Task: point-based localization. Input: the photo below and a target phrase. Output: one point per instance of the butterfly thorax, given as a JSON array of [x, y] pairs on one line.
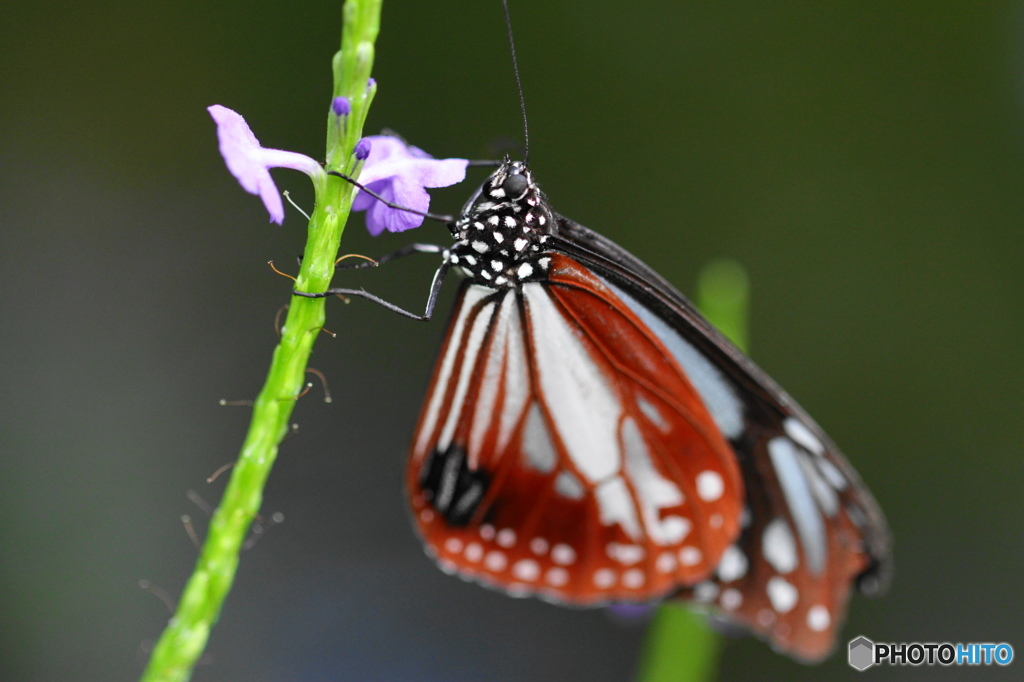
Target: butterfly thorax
[[501, 232]]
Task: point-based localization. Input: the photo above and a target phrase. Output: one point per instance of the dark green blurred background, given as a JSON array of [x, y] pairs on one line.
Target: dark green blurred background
[[865, 163]]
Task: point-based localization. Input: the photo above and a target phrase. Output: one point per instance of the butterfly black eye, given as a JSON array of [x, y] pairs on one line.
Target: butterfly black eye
[[515, 185]]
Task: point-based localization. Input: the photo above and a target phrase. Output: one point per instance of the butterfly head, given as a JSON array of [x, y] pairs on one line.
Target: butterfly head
[[501, 232]]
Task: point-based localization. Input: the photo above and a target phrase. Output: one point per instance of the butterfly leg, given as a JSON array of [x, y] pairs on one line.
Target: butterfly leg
[[390, 204], [407, 250], [435, 289]]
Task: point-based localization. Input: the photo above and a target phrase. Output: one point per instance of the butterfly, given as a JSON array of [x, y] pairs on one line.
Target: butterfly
[[589, 438]]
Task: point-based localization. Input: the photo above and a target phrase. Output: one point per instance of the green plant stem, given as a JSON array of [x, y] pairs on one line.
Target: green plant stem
[[680, 646], [185, 636]]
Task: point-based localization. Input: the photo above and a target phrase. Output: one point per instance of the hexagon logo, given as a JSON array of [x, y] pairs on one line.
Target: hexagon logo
[[862, 653]]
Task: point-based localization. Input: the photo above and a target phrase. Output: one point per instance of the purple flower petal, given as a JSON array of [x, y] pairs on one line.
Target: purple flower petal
[[398, 173], [250, 163], [380, 216]]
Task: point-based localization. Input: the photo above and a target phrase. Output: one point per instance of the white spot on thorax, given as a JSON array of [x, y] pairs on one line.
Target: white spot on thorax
[[498, 237], [510, 222], [525, 270], [479, 247], [520, 244], [494, 220]]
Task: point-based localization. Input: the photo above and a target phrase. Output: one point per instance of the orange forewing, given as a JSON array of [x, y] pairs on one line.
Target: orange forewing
[[510, 497]]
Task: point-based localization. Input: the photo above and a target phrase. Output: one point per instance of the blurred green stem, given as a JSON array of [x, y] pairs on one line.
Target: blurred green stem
[[680, 646], [184, 639]]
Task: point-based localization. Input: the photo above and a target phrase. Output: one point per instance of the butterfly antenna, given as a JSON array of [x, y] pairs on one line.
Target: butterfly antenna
[[519, 83]]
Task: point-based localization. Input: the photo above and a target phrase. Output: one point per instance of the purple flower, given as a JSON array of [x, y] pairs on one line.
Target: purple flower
[[341, 106], [632, 612], [250, 163], [390, 168], [362, 149], [399, 173]]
